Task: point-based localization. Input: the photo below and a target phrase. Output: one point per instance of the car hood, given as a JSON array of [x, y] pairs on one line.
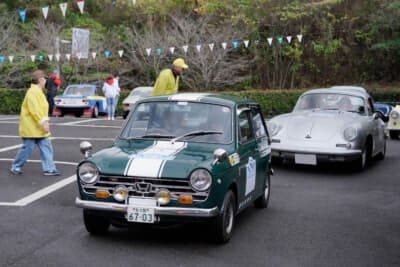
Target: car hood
[[317, 125], [154, 159], [132, 99]]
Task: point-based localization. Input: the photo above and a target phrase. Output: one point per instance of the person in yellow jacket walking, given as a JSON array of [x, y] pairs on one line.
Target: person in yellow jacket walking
[[168, 80], [34, 127]]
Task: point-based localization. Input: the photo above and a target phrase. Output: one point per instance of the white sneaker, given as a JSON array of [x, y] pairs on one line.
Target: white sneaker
[[112, 118]]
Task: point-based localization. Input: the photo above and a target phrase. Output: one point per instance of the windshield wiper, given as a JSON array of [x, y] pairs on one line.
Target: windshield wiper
[[157, 136], [196, 133]]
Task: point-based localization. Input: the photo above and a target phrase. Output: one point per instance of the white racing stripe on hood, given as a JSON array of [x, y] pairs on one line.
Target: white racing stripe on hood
[[150, 161]]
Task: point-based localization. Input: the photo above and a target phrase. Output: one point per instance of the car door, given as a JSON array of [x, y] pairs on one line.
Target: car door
[[248, 165], [378, 133]]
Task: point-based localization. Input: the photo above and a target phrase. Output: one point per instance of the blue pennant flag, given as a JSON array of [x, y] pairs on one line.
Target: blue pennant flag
[[22, 14], [2, 59], [107, 53], [235, 44]]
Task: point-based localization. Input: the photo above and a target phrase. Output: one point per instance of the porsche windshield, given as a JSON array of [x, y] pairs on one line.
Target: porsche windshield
[[168, 120], [330, 101]]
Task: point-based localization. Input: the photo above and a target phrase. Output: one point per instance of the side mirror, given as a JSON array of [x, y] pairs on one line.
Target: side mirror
[[361, 109], [220, 155], [85, 148]]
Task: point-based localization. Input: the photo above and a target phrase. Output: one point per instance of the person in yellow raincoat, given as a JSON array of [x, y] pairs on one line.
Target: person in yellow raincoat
[[34, 127], [168, 80]]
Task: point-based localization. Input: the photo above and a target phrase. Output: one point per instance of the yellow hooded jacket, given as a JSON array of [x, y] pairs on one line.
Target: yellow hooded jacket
[[34, 112], [165, 84]]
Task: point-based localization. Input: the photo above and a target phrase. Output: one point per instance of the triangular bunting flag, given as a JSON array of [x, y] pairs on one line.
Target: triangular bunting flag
[[107, 53], [299, 37], [224, 45], [235, 44], [2, 59], [289, 39], [81, 5], [33, 58], [172, 49], [158, 51], [134, 2], [93, 55], [211, 46], [63, 7], [40, 56], [270, 40], [68, 56], [58, 56], [185, 48], [22, 14], [148, 51], [246, 43], [120, 53], [198, 47], [45, 11], [280, 39], [256, 42], [11, 58], [50, 57]]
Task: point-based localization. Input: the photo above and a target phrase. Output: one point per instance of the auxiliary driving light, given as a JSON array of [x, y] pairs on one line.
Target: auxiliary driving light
[[163, 197], [120, 193]]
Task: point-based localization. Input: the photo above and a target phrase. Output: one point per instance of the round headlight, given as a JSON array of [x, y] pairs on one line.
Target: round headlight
[[88, 173], [273, 128], [394, 114], [163, 196], [120, 193], [201, 180], [350, 133]]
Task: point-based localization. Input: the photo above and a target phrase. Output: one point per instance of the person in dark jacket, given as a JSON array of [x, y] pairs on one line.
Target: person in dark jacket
[[52, 86]]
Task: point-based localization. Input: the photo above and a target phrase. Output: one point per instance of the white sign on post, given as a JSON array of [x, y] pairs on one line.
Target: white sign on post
[[80, 42]]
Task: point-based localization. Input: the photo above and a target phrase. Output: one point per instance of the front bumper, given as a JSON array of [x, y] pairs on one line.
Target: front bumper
[[160, 211]]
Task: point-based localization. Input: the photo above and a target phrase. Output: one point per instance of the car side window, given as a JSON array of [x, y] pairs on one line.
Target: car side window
[[259, 127], [370, 107], [245, 129]]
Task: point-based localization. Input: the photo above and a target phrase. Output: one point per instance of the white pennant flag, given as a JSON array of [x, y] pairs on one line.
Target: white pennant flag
[[134, 2], [45, 11], [68, 56], [33, 58], [270, 40], [50, 57], [300, 37], [172, 49], [63, 7], [198, 47], [120, 52], [58, 57], [246, 43], [81, 5], [11, 58], [211, 46], [93, 55], [185, 48], [224, 45], [148, 51], [289, 39]]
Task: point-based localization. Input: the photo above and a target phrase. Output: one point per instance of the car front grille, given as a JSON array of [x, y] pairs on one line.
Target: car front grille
[[145, 187]]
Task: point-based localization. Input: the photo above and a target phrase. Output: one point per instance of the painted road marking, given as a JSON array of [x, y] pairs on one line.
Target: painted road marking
[[39, 161], [10, 148], [63, 124], [64, 138], [78, 122]]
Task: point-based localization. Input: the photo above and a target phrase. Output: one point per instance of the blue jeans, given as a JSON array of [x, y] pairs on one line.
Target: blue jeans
[[111, 106], [46, 153]]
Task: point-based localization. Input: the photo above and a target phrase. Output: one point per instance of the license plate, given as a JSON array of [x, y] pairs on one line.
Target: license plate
[[307, 159], [141, 210]]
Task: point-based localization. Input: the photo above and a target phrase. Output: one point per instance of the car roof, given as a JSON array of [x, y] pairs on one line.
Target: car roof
[[82, 85], [340, 90], [221, 99]]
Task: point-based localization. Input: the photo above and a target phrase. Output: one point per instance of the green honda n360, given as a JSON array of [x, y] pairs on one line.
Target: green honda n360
[[179, 158]]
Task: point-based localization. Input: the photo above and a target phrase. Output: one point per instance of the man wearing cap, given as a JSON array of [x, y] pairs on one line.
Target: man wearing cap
[[52, 86], [34, 127], [168, 80]]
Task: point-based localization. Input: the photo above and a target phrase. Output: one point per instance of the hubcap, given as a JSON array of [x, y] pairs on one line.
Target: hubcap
[[229, 218]]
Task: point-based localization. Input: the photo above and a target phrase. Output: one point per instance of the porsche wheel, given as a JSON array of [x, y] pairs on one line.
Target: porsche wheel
[[96, 225], [382, 154], [363, 159], [225, 221]]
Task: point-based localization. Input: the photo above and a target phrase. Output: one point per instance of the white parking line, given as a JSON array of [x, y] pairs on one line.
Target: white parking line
[[39, 161], [41, 193], [64, 138], [10, 148], [77, 122]]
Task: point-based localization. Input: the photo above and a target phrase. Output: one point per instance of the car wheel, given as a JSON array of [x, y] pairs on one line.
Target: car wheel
[[95, 225], [262, 201], [382, 154], [125, 114], [362, 161], [394, 135], [225, 221], [62, 113], [95, 111], [78, 114]]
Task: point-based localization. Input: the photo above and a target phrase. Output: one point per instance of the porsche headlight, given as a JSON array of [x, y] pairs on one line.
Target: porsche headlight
[[394, 114], [88, 173], [200, 180], [350, 133], [273, 128]]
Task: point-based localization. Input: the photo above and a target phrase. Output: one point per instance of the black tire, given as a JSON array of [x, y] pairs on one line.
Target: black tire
[[381, 155], [225, 221], [96, 225], [95, 113], [262, 201], [277, 161], [124, 115], [362, 162], [62, 113], [394, 135], [78, 114]]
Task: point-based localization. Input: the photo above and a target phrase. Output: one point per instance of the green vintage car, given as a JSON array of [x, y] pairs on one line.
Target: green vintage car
[[179, 158]]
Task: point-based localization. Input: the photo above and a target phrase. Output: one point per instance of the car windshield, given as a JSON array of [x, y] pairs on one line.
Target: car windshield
[[79, 90], [330, 101], [201, 122], [141, 92]]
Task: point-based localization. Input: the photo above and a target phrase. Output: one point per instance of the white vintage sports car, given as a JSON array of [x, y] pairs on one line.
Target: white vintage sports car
[[394, 123], [331, 125]]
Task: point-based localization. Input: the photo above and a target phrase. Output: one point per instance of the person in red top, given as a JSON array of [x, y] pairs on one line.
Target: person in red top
[[52, 86]]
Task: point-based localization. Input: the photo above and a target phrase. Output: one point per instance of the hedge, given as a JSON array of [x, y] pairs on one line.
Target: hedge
[[272, 102]]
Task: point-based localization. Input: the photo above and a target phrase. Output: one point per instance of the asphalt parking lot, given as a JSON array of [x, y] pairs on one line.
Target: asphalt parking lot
[[318, 216]]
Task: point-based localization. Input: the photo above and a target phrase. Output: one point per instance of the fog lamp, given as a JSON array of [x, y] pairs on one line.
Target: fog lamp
[[120, 193], [163, 197]]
